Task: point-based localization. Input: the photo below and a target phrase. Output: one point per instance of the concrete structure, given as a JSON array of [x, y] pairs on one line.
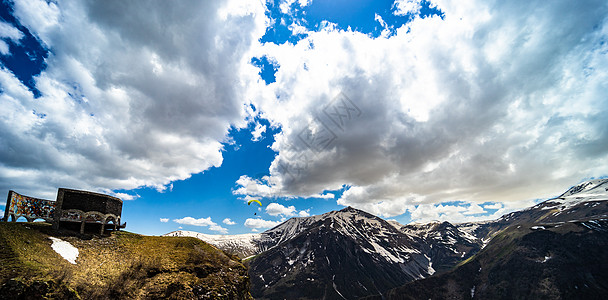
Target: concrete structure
[[71, 207]]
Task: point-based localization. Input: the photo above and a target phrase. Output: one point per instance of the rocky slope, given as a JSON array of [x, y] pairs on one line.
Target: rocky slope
[[447, 244], [121, 266], [553, 250], [341, 254], [526, 262]]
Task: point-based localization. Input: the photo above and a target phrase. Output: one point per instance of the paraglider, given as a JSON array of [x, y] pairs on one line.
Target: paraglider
[[254, 200]]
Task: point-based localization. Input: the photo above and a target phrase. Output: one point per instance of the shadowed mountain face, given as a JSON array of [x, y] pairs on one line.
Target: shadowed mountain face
[[560, 262], [343, 254]]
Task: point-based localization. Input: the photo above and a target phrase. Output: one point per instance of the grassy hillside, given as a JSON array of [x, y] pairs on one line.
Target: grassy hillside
[[121, 266]]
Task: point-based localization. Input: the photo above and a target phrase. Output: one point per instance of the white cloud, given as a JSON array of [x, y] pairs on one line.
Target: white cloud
[[227, 221], [256, 134], [275, 209], [459, 212], [494, 102], [138, 105], [124, 196], [493, 206], [406, 7], [4, 49], [164, 220], [260, 223], [201, 222], [497, 101], [474, 209], [10, 32]]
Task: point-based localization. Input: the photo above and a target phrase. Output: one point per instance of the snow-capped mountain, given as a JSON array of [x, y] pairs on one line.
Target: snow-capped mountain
[[553, 250], [584, 201], [340, 254]]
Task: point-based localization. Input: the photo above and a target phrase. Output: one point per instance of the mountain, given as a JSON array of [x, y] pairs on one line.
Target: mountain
[[120, 266], [447, 243], [553, 250], [340, 254], [582, 201]]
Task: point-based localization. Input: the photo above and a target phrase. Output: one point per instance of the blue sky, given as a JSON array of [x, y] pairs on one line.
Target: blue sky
[[410, 110]]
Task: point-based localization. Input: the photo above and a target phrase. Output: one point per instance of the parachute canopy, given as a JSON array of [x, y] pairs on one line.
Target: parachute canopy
[[254, 200]]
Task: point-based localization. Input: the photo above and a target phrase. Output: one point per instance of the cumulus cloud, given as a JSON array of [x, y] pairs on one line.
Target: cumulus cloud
[[459, 212], [260, 223], [10, 32], [493, 102], [203, 222], [304, 213], [257, 132], [164, 220], [124, 196], [405, 7], [227, 221], [496, 102], [493, 206], [133, 94], [275, 209]]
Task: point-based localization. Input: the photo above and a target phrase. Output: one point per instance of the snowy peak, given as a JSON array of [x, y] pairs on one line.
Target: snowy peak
[[596, 189], [325, 253], [590, 193]]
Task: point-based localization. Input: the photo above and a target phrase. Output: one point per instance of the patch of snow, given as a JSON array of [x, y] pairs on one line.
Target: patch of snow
[[386, 254], [430, 269], [473, 292], [537, 227], [65, 249], [484, 242], [335, 287]]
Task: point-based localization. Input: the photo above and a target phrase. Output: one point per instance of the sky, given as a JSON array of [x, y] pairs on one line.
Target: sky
[[410, 110]]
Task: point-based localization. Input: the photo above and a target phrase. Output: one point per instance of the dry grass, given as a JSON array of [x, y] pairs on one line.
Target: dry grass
[[123, 265]]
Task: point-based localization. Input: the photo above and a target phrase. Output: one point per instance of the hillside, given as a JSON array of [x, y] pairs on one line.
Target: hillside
[[568, 261], [553, 250], [121, 266]]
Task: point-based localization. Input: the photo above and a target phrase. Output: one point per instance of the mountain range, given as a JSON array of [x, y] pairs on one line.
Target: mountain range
[[553, 250]]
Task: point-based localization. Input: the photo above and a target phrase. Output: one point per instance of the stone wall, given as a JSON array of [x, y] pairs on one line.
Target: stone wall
[[89, 201]]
